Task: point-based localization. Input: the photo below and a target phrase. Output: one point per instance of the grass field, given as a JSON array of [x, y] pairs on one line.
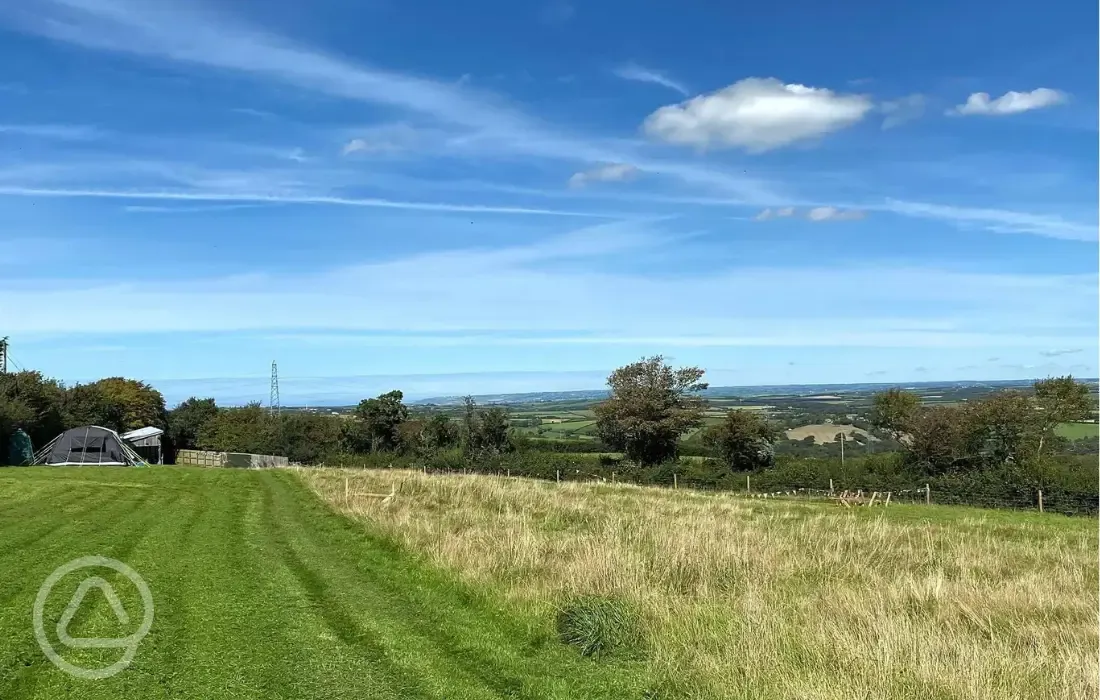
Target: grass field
[[1077, 431], [758, 599], [260, 591]]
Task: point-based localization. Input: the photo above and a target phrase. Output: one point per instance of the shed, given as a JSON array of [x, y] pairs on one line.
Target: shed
[[147, 443]]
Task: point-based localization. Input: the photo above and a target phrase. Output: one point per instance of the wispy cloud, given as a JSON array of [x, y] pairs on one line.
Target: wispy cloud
[[1059, 353], [612, 172], [63, 132], [834, 214], [1011, 102], [816, 214], [902, 110], [1000, 220], [566, 278], [289, 199], [632, 71]]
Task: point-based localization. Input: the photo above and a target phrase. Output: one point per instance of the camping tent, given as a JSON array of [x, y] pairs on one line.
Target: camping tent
[[89, 445]]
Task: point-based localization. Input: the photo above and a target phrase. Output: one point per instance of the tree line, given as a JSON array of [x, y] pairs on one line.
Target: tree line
[[1006, 437]]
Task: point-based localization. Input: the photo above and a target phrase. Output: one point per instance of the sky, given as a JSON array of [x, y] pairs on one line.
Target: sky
[[490, 196]]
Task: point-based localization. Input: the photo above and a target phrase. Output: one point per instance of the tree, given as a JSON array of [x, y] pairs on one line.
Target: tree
[[743, 440], [485, 432], [89, 404], [32, 402], [378, 422], [141, 405], [248, 429], [650, 407], [308, 438], [936, 439], [439, 433], [186, 421], [1002, 429], [1060, 400], [893, 409]]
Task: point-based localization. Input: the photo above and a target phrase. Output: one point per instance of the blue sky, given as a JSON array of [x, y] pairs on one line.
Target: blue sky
[[490, 196]]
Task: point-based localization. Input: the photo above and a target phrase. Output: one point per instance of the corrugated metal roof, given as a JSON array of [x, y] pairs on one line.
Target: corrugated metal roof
[[142, 433]]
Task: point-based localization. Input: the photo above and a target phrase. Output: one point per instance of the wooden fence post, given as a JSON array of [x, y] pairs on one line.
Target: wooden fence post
[[1040, 500], [559, 476], [748, 483], [508, 472], [676, 485], [613, 477], [927, 495], [830, 487], [346, 494]]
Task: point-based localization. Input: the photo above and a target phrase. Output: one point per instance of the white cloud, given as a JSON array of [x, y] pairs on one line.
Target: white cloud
[[813, 214], [632, 71], [354, 146], [1059, 353], [1011, 102], [777, 213], [901, 110], [834, 214], [757, 114], [612, 172]]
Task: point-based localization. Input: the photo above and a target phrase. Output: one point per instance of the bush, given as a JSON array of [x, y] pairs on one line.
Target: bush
[[600, 627]]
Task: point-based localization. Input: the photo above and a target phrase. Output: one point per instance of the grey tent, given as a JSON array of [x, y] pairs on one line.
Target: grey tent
[[89, 445]]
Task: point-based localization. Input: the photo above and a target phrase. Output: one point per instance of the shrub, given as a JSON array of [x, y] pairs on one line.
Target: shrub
[[599, 626]]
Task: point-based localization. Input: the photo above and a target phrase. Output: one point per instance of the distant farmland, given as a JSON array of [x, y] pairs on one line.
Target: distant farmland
[[1078, 431]]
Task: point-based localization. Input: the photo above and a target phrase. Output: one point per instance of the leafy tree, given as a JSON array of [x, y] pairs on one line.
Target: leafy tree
[[247, 429], [308, 438], [376, 424], [186, 421], [438, 433], [650, 407], [32, 402], [89, 404], [743, 440], [140, 403], [1002, 429], [1061, 400], [485, 432], [893, 409], [937, 437]]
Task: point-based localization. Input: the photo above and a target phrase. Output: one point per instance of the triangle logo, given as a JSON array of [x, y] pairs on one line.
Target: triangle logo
[[70, 611]]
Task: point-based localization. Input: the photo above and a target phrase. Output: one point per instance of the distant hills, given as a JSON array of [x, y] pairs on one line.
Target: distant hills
[[726, 391]]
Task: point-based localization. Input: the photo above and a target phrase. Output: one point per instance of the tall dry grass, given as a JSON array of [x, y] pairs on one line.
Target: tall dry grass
[[752, 599]]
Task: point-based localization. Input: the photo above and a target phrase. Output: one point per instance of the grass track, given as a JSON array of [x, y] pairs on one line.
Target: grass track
[[261, 591]]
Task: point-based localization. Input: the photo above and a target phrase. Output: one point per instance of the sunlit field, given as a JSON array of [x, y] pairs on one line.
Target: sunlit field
[[738, 598]]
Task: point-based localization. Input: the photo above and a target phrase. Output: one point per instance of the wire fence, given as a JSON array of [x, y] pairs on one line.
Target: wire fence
[[1009, 497]]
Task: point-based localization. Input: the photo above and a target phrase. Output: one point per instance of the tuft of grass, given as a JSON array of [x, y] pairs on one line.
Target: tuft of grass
[[599, 626]]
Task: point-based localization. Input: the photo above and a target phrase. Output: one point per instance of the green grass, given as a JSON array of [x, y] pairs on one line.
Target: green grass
[[1077, 431], [260, 591]]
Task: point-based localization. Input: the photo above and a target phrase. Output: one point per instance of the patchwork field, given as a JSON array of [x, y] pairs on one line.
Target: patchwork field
[[747, 599], [259, 591], [823, 432], [1078, 431]]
